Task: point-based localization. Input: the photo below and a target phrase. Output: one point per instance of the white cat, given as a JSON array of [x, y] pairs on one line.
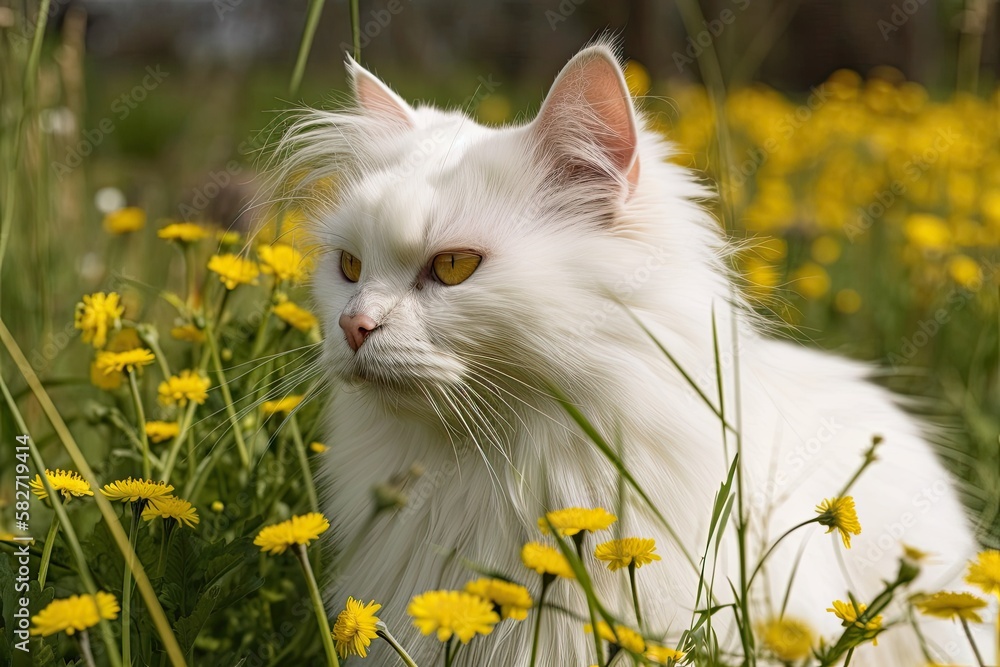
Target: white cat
[[468, 269]]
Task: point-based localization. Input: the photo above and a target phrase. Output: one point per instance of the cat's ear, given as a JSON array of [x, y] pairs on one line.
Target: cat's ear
[[587, 122], [376, 98]]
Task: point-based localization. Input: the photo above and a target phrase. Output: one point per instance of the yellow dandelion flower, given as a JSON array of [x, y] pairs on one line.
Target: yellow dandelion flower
[[544, 559], [160, 431], [849, 615], [183, 232], [282, 405], [964, 606], [96, 314], [825, 250], [662, 655], [67, 482], [839, 514], [847, 301], [636, 78], [125, 220], [622, 553], [74, 614], [984, 572], [572, 520], [452, 613], [105, 381], [228, 237], [188, 333], [282, 261], [514, 600], [296, 316], [135, 490], [811, 280], [218, 506], [627, 638], [121, 362], [172, 507], [318, 447], [790, 640], [928, 232], [355, 628], [233, 270], [965, 271], [301, 529], [188, 386]]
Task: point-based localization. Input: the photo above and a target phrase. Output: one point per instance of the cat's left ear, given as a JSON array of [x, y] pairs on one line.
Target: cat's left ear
[[376, 98], [587, 122]]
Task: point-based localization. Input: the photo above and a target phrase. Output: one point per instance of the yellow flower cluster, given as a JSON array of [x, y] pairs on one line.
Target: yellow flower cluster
[[299, 530], [173, 508], [74, 614], [67, 482], [188, 386], [233, 270], [452, 613], [97, 314], [136, 490], [854, 162], [182, 232]]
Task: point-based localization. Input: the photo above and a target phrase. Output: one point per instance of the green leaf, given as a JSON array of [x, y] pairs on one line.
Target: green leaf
[[187, 628]]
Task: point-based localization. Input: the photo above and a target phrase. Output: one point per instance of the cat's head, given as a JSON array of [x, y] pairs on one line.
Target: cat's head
[[459, 258]]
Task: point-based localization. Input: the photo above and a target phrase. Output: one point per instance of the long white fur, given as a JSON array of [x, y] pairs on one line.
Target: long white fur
[[455, 380]]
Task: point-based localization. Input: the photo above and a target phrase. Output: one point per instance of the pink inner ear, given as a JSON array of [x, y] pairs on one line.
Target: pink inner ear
[[590, 100], [375, 97]]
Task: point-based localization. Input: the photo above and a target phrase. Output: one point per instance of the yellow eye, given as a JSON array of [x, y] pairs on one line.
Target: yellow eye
[[350, 265], [453, 268]]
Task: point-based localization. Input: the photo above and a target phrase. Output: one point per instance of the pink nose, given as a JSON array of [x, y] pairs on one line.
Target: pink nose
[[356, 328]]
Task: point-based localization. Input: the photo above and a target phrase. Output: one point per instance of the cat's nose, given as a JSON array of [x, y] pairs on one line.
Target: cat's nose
[[356, 328]]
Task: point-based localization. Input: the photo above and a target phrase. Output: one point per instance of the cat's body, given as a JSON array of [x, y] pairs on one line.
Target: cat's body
[[455, 379]]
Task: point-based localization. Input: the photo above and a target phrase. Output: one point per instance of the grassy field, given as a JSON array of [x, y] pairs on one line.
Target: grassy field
[[868, 211]]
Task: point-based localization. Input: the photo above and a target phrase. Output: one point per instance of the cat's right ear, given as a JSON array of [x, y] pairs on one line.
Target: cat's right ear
[[376, 98], [587, 124]]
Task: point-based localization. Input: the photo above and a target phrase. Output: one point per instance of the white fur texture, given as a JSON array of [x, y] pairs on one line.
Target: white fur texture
[[454, 379]]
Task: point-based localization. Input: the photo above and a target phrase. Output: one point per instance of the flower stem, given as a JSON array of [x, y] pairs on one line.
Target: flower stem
[[764, 558], [449, 654], [140, 416], [312, 22], [578, 540], [546, 581], [88, 657], [635, 594], [127, 588], [227, 397], [175, 447], [317, 600], [300, 448], [50, 540], [972, 643], [383, 631], [847, 660]]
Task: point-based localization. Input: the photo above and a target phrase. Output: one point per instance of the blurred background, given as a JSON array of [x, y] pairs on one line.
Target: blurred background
[[856, 145]]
